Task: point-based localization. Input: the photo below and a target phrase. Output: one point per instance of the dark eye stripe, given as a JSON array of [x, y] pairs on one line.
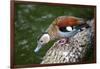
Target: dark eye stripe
[[63, 29]]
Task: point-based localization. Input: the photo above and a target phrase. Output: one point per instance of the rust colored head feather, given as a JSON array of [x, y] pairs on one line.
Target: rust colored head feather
[[63, 21]]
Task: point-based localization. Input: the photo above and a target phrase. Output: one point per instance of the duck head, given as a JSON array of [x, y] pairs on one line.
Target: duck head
[[44, 39]]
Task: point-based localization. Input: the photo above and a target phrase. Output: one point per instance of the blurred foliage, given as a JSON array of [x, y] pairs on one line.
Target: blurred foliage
[[33, 19]]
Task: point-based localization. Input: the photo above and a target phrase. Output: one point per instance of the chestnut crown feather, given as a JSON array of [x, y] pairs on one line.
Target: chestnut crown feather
[[63, 21]]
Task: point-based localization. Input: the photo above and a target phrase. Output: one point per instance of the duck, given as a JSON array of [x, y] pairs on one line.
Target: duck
[[61, 27]]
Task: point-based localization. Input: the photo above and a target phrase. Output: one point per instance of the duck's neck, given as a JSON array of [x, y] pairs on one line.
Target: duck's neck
[[52, 31]]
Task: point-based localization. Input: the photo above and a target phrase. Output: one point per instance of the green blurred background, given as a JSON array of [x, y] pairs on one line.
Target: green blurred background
[[33, 19]]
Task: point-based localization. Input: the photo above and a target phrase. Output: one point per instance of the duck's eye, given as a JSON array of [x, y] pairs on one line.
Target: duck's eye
[[41, 41], [69, 28]]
